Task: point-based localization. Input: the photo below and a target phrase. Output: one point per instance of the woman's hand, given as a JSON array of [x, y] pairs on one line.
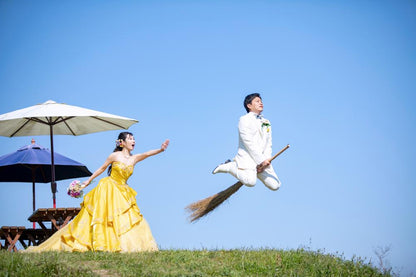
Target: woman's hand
[[84, 184], [164, 145]]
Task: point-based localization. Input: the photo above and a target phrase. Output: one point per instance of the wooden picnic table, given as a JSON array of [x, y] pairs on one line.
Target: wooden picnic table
[[58, 217]]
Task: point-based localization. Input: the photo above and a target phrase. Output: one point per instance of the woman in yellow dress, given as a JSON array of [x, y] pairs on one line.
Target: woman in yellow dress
[[109, 219]]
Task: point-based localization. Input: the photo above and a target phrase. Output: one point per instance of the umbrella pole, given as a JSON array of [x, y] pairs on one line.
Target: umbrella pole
[[53, 183], [34, 206], [33, 193], [33, 188]]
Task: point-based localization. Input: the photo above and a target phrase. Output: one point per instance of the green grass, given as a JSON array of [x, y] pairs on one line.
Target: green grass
[[262, 262]]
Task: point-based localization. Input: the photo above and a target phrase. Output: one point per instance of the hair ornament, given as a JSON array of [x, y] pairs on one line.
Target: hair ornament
[[118, 142]]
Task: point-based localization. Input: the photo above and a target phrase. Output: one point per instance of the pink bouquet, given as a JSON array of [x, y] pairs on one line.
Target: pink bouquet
[[75, 190]]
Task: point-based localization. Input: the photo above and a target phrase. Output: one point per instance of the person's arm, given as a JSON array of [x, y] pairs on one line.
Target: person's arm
[[100, 170], [142, 156]]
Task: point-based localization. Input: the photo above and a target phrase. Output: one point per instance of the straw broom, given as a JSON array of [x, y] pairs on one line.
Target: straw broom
[[202, 207]]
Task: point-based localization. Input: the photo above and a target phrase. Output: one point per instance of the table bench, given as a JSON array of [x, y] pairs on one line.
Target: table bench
[[11, 235], [26, 236]]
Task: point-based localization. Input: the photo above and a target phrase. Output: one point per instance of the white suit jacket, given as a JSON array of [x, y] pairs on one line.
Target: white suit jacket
[[255, 141]]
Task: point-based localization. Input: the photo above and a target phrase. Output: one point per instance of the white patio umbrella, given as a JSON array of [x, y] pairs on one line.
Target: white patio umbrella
[[52, 118]]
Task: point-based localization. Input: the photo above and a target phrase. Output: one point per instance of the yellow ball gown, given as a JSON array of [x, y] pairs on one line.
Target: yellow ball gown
[[109, 220]]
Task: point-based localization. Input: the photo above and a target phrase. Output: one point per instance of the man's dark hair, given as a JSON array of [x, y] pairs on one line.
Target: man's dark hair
[[249, 98]]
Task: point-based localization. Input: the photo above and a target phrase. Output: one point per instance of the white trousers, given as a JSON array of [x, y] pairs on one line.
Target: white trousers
[[249, 176]]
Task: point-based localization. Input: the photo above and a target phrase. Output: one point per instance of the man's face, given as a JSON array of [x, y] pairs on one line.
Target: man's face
[[256, 105]]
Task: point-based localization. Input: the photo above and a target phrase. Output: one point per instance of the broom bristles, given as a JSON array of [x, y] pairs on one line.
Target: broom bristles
[[202, 207]]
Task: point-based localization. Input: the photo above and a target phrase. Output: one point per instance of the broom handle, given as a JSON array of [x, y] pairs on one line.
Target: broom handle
[[280, 152]]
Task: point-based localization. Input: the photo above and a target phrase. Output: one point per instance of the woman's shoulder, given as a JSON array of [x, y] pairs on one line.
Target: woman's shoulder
[[113, 157]]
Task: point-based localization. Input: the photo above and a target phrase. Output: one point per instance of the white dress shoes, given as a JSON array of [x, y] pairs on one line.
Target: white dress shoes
[[222, 168]]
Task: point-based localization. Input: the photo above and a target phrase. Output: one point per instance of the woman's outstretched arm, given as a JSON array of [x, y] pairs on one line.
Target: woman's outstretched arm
[[142, 156]]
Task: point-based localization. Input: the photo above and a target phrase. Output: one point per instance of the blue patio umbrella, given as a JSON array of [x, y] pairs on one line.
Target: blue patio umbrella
[[32, 163]]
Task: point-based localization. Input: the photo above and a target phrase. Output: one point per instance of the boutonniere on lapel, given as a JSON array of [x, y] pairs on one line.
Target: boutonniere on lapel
[[266, 124]]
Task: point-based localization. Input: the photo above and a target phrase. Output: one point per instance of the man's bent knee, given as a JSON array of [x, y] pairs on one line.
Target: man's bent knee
[[249, 180], [249, 183], [247, 177], [273, 184]]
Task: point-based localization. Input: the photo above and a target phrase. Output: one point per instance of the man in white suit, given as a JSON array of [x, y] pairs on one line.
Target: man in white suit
[[254, 149]]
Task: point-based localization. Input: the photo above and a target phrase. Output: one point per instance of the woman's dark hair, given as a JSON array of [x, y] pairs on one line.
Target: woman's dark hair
[[249, 98], [122, 136]]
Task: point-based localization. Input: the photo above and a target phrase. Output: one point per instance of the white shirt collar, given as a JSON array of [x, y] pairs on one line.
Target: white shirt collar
[[258, 116]]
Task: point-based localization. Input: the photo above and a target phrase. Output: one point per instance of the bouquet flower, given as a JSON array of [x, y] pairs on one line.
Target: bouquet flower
[[74, 189]]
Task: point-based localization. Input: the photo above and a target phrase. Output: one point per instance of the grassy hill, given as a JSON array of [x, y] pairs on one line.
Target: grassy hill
[[262, 262]]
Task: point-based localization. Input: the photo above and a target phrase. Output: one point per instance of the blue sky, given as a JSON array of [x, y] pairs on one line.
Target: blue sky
[[337, 81]]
